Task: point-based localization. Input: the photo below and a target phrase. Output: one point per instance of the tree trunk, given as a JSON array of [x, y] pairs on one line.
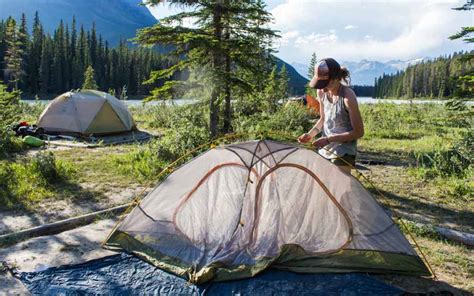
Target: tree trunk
[[228, 110], [217, 64], [227, 88]]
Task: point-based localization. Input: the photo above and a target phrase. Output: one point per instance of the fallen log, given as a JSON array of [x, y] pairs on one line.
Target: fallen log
[[458, 236], [59, 226]]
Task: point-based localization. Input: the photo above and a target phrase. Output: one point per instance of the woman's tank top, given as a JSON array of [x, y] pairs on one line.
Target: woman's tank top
[[337, 121]]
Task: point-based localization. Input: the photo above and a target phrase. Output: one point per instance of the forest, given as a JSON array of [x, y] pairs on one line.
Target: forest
[[437, 78], [41, 63]]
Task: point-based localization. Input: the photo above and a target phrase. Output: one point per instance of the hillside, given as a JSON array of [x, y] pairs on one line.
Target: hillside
[[113, 19]]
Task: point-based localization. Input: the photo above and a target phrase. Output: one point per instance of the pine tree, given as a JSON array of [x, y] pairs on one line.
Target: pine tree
[[35, 55], [45, 65], [283, 82], [13, 55], [41, 64], [271, 92], [58, 71], [464, 80], [123, 93], [8, 105], [311, 91], [312, 63], [89, 79], [9, 110], [221, 43], [24, 44]]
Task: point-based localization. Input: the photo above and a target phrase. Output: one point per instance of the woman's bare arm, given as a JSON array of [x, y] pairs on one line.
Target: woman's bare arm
[[319, 124]]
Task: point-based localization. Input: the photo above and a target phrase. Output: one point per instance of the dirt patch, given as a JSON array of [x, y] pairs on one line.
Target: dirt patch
[[55, 210], [418, 200], [70, 247]]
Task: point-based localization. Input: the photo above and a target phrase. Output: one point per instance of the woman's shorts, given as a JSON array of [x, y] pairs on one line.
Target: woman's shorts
[[344, 160]]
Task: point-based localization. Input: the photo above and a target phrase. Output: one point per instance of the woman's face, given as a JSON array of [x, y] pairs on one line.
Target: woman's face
[[333, 83]]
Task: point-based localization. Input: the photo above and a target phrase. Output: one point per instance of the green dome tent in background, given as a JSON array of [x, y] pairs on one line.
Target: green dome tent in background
[[239, 209], [84, 113]]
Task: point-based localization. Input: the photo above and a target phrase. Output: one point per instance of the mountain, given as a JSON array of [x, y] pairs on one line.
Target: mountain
[[297, 83], [114, 19], [302, 69], [364, 72]]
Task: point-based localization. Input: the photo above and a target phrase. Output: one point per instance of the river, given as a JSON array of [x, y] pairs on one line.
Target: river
[[361, 100]]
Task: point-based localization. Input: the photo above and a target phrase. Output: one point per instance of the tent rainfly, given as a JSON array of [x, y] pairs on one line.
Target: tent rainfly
[[236, 210], [86, 112]]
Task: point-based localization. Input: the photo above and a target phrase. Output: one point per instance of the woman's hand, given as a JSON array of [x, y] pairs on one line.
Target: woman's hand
[[321, 142], [304, 138]]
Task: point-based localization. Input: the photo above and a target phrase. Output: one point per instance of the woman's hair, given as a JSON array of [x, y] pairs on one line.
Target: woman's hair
[[345, 75]]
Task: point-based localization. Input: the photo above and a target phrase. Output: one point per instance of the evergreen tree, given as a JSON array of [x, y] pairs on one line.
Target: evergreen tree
[[89, 79], [35, 56], [123, 93], [271, 92], [224, 40], [45, 65], [23, 43], [312, 63], [464, 82], [58, 71], [283, 82], [9, 102], [9, 110], [13, 54], [437, 78], [311, 91]]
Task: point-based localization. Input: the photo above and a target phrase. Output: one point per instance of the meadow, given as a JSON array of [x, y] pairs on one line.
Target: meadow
[[419, 156]]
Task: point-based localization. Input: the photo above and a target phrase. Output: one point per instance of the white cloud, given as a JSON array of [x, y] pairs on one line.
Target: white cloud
[[386, 29]]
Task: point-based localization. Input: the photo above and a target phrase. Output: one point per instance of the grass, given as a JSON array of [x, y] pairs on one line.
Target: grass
[[404, 136], [445, 256], [30, 180]]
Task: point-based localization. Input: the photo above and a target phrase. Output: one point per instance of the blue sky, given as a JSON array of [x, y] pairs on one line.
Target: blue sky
[[352, 30]]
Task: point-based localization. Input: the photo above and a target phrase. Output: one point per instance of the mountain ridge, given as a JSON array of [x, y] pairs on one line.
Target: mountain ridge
[[365, 71], [123, 17]]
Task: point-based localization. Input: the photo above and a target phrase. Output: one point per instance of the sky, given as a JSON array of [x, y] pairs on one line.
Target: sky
[[352, 30]]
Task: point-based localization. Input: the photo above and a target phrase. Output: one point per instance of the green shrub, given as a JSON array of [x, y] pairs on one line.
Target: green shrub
[[293, 118], [165, 116], [9, 113], [50, 170], [455, 161], [32, 179], [404, 121], [186, 129], [142, 162]]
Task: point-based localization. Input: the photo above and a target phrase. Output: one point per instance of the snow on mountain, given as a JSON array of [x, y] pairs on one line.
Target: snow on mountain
[[364, 72]]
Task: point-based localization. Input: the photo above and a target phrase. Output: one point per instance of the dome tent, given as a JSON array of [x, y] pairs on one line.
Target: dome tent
[[86, 112], [236, 210]]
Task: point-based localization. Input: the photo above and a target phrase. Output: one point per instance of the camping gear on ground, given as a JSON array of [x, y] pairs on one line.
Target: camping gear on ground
[[124, 274], [312, 103], [33, 141], [236, 210], [84, 113], [308, 101], [22, 129]]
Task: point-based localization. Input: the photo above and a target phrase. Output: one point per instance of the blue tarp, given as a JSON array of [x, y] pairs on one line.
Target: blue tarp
[[125, 274]]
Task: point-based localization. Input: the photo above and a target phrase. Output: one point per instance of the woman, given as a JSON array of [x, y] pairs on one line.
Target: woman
[[340, 121]]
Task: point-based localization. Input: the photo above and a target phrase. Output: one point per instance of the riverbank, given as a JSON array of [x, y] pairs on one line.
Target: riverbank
[[361, 100]]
